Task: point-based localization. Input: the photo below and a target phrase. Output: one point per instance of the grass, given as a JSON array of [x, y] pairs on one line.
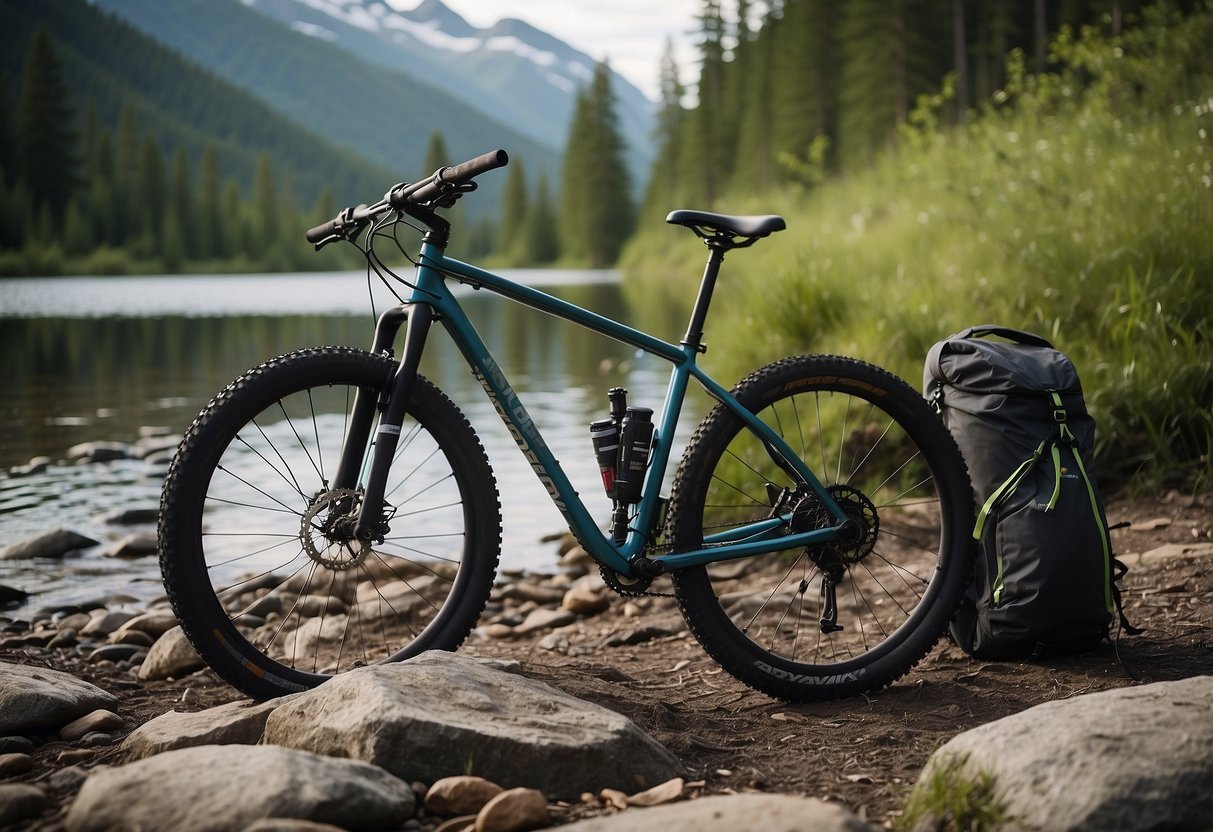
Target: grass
[[951, 800], [1077, 205]]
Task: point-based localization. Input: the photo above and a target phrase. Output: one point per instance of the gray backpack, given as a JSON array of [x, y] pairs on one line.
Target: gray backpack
[[1045, 578]]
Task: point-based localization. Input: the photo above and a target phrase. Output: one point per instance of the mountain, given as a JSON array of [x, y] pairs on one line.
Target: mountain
[[381, 81], [385, 116], [107, 65], [510, 71]]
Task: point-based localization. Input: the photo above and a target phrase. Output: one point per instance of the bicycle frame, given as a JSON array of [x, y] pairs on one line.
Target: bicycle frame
[[432, 299]]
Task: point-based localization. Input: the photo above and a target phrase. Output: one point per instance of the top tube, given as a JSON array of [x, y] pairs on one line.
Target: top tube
[[442, 265]]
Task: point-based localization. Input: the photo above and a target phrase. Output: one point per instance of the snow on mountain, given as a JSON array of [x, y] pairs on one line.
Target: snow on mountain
[[511, 70]]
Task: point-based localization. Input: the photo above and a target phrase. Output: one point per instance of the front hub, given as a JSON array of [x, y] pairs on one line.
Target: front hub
[[327, 530]]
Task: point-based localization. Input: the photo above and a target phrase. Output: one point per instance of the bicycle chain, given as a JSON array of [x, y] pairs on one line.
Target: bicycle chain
[[610, 577]]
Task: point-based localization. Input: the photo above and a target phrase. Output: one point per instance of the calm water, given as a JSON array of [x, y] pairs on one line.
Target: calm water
[[88, 359]]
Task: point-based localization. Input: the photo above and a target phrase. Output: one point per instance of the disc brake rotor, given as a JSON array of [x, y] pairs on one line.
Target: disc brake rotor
[[327, 530]]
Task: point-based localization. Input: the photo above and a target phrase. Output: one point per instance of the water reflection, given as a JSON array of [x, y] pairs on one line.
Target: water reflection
[[69, 380]]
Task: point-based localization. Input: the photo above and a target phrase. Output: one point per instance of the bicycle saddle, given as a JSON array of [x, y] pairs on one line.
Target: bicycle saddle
[[726, 224]]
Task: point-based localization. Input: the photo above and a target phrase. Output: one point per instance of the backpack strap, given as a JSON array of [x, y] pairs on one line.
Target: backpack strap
[[1114, 569]]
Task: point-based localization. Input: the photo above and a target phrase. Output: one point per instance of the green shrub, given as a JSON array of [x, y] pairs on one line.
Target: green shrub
[[1076, 204]]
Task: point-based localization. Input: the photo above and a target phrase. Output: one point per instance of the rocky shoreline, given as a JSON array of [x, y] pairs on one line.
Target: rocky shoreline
[[107, 716]]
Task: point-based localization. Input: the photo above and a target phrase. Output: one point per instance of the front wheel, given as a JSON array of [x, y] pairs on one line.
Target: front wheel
[[257, 548], [837, 619]]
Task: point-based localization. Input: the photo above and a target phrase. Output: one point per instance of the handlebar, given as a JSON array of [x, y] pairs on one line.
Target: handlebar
[[440, 189]]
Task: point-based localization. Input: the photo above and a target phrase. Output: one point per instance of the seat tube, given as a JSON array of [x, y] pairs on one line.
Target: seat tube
[[388, 435]]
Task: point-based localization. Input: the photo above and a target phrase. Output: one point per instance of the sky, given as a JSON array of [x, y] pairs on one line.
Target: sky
[[630, 34]]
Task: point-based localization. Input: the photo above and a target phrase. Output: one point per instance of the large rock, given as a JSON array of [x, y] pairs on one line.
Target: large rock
[[236, 723], [441, 714], [767, 812], [33, 698], [53, 544], [230, 787], [1128, 759]]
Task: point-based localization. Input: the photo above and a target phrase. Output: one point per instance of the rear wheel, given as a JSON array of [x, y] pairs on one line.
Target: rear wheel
[[256, 540], [828, 620]]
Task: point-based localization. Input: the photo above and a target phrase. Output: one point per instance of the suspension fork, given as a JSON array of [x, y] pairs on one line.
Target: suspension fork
[[387, 437], [362, 416]]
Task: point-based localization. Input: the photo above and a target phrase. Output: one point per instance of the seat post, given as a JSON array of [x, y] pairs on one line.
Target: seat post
[[694, 334]]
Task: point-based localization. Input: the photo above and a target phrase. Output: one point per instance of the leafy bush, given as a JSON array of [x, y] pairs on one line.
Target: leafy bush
[[1077, 204]]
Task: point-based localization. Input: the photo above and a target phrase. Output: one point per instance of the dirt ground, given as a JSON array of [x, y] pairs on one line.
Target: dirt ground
[[863, 752]]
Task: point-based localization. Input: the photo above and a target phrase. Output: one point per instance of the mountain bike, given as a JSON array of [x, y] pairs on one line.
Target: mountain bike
[[332, 508]]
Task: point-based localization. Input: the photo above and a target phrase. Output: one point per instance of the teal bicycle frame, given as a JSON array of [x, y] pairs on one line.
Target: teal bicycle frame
[[432, 299]]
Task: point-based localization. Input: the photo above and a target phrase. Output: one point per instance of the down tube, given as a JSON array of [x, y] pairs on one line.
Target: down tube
[[530, 442]]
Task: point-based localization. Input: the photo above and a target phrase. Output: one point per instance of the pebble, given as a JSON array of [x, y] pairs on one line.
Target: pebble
[[666, 792], [496, 630], [585, 600], [71, 756], [13, 764], [155, 623], [133, 516], [74, 621], [116, 652], [545, 619], [514, 810], [66, 637], [135, 637], [460, 795], [522, 591], [133, 546], [67, 779], [13, 745], [106, 623], [639, 635], [99, 720]]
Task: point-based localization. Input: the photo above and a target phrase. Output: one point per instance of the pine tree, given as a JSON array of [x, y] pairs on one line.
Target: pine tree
[[234, 229], [754, 156], [888, 61], [103, 206], [703, 155], [597, 214], [46, 145], [515, 207], [662, 192], [541, 242], [806, 76], [8, 137], [209, 225], [128, 217], [436, 154], [151, 196], [181, 205], [264, 208]]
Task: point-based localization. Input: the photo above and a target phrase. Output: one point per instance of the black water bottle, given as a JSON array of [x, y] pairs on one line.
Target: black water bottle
[[635, 444]]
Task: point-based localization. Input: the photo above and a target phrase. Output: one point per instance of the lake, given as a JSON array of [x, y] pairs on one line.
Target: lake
[[109, 359]]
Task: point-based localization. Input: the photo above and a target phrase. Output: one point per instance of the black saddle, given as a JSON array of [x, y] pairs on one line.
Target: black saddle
[[727, 230]]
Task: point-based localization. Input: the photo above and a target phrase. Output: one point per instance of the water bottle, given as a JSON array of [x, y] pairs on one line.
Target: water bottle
[[635, 444], [604, 433]]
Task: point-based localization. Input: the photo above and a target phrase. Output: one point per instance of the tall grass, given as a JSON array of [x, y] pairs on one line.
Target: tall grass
[[1077, 204]]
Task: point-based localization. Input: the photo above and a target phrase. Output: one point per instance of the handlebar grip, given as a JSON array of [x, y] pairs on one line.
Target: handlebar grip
[[315, 235], [455, 176]]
